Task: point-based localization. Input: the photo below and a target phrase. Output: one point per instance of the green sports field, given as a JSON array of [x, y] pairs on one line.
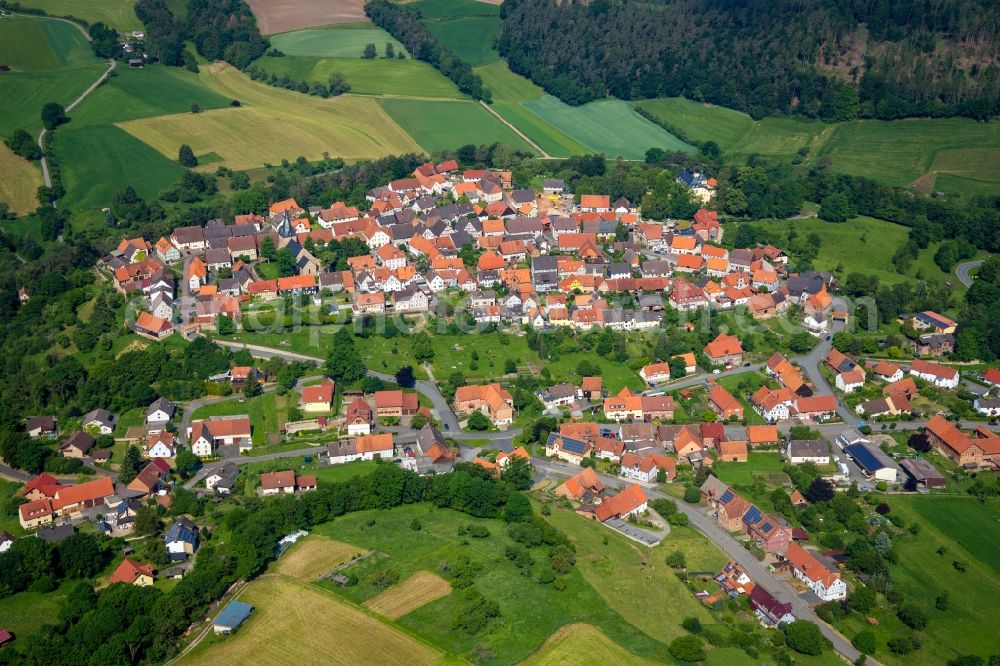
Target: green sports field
[[611, 127], [410, 78], [119, 14], [337, 41], [441, 125]]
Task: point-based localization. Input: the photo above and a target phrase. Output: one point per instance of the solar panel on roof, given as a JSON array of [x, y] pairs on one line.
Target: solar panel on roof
[[765, 528], [752, 516], [864, 458], [727, 496]]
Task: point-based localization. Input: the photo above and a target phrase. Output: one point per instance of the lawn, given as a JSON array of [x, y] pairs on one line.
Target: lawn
[[419, 589], [335, 41], [324, 473], [119, 14], [266, 413], [968, 531], [19, 181], [285, 125], [442, 125], [312, 557], [408, 78], [154, 90], [294, 623], [743, 473], [611, 127], [26, 613], [532, 612], [632, 579], [582, 645], [862, 245], [750, 381], [35, 44], [100, 160]]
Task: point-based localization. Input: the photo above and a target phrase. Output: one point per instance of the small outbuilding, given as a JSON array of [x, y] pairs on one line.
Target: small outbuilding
[[231, 617]]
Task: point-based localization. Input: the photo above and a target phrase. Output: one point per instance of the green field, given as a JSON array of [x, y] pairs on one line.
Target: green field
[[442, 125], [466, 27], [408, 78], [953, 155], [19, 180], [34, 44], [119, 14], [154, 90], [532, 612], [26, 613], [266, 412], [507, 86], [284, 124], [23, 94], [968, 530], [324, 473], [100, 160], [336, 41], [863, 245], [611, 127], [743, 473]]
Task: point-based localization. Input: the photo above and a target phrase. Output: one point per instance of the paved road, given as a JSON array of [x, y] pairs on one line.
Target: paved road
[[701, 378], [963, 269], [424, 386], [755, 569], [246, 460]]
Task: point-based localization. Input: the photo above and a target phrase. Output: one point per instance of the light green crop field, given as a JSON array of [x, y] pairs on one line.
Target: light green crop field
[[335, 41], [19, 181], [35, 44], [466, 27], [154, 90], [506, 85], [611, 127], [442, 125], [99, 160], [902, 152], [285, 125], [409, 78], [953, 155], [119, 14]]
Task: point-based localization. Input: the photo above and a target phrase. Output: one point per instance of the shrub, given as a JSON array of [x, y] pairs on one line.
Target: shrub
[[912, 616], [864, 641], [804, 637], [692, 624], [676, 560], [692, 494], [687, 648]]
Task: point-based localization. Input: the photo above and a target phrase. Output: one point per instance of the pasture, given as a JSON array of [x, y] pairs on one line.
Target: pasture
[[862, 245], [611, 127], [532, 612], [27, 613], [100, 160], [36, 44], [418, 590], [286, 125], [274, 16], [23, 94], [407, 78], [442, 125], [154, 90], [295, 623], [19, 181], [582, 645], [467, 27], [119, 14], [347, 41], [314, 556]]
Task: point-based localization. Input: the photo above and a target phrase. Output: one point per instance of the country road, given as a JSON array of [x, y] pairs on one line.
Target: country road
[[758, 571], [41, 135], [518, 132], [962, 271]]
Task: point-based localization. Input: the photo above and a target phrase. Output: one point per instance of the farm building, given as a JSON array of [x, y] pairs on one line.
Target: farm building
[[873, 461], [922, 473], [231, 617]]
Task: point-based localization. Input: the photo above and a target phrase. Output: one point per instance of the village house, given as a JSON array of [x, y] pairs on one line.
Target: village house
[[938, 375], [492, 400], [159, 413], [372, 447], [801, 451], [40, 426], [222, 479], [147, 481], [567, 449], [646, 468], [629, 502], [773, 404], [724, 350], [558, 395], [318, 398], [396, 403], [77, 446], [768, 609], [131, 572], [358, 417], [100, 421], [733, 450], [655, 373], [724, 403], [153, 327], [181, 539], [825, 582], [285, 482], [584, 487], [762, 435], [204, 436]]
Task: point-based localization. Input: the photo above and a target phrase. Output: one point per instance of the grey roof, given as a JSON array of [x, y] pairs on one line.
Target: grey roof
[[182, 530], [428, 436], [233, 615], [553, 184], [522, 196], [619, 267], [102, 416], [227, 475], [808, 448], [559, 391], [163, 404], [544, 263]]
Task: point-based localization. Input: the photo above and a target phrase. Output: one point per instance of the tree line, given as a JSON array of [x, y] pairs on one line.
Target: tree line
[[125, 624], [765, 58], [405, 25]]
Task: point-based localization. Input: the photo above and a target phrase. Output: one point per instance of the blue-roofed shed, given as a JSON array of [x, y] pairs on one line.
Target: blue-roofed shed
[[873, 461], [231, 617]]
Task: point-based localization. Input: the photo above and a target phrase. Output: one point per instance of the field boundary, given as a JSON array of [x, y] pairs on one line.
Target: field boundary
[[521, 134]]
